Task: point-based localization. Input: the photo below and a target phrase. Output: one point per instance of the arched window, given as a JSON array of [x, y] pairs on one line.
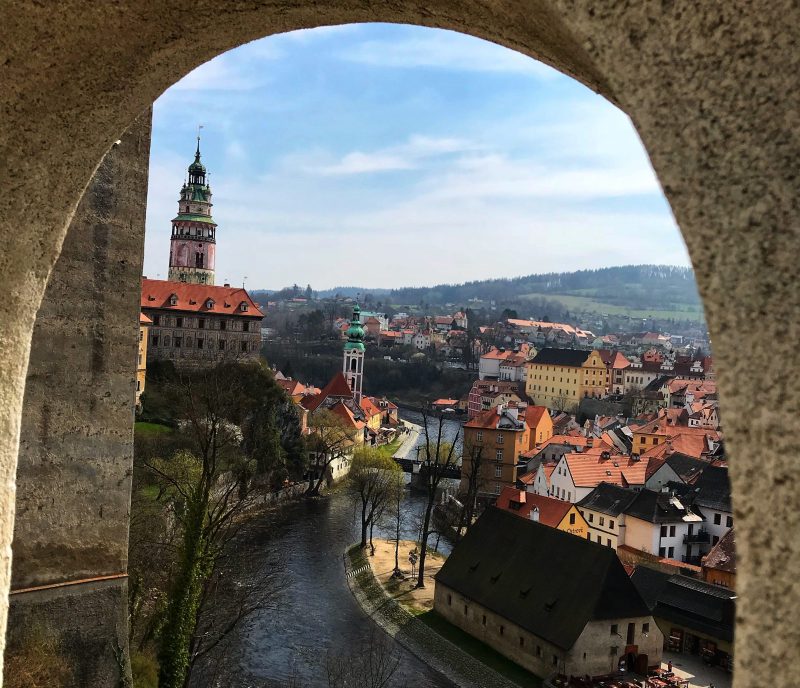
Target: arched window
[[353, 364]]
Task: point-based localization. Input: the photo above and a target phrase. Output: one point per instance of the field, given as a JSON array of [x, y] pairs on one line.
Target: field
[[589, 303]]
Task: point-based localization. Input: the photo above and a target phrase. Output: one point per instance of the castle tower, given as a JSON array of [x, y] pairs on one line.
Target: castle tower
[[354, 355], [193, 243]]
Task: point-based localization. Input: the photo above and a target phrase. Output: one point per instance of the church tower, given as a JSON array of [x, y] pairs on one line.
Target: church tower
[[193, 244], [354, 355]]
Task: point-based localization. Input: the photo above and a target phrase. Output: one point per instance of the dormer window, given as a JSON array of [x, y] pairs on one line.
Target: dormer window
[[243, 306], [173, 300], [210, 303]]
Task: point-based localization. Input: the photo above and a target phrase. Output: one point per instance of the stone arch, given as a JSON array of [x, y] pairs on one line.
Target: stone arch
[[712, 89]]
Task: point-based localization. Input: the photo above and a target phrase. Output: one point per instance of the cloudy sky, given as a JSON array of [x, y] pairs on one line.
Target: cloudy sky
[[383, 156]]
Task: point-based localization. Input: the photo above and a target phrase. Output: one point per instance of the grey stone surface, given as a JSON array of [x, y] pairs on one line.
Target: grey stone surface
[[90, 622], [712, 88]]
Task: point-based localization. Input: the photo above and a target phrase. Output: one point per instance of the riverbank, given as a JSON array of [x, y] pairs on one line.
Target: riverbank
[[438, 644]]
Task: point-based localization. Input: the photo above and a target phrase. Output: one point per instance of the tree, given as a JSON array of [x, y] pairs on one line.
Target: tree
[[438, 459], [329, 440], [372, 480], [475, 479], [371, 666]]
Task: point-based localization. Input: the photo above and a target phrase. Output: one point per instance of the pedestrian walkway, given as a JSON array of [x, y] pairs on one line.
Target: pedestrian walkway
[[409, 442], [697, 672]]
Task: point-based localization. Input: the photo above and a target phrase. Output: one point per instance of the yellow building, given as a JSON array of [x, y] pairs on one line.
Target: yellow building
[[560, 378], [552, 512], [141, 360]]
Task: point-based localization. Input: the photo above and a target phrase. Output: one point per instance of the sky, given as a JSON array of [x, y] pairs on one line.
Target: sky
[[380, 155]]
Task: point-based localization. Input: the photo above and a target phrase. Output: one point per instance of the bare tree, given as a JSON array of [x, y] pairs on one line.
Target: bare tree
[[371, 666], [471, 470], [330, 440], [439, 460]]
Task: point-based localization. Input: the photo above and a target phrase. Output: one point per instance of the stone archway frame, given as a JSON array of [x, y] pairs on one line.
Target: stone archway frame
[[711, 87]]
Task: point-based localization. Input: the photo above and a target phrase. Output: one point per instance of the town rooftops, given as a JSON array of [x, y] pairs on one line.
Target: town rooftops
[[499, 565], [551, 511], [337, 387], [689, 602], [497, 419], [198, 298], [573, 358], [687, 467], [144, 320], [608, 499], [713, 489], [663, 507], [602, 464]]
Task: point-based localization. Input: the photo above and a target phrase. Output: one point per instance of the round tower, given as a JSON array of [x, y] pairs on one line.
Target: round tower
[[354, 355], [194, 234]]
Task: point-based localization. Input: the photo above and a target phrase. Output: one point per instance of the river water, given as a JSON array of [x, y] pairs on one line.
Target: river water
[[317, 613]]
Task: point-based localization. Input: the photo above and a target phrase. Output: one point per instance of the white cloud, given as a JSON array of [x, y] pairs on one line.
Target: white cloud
[[446, 50]]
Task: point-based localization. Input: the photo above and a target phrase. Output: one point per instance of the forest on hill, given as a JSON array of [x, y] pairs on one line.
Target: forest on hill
[[633, 289]]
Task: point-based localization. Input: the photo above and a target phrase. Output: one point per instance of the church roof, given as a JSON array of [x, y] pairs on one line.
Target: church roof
[[337, 387], [192, 217]]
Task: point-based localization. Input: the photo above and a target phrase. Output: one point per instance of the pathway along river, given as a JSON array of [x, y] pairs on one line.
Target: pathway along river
[[317, 613]]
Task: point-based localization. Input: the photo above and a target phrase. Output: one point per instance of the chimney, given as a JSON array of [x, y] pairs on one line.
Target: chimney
[[534, 514], [589, 442], [226, 285]]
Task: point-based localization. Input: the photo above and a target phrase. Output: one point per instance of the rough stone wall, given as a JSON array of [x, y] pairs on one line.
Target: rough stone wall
[[711, 87], [76, 448]]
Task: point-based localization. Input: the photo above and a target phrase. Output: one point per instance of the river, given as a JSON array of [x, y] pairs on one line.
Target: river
[[317, 613]]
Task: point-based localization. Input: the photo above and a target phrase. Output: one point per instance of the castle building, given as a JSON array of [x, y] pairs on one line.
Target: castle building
[[193, 242], [200, 324], [353, 367]]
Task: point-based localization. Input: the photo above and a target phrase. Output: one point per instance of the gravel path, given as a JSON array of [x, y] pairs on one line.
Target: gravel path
[[437, 652]]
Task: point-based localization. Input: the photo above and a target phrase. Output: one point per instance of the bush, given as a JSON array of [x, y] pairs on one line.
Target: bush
[[144, 668]]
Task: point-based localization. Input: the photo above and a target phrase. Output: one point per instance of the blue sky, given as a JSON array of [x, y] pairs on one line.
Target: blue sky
[[388, 155]]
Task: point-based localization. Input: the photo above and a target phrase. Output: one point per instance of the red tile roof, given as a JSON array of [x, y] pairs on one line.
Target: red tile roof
[[533, 414], [337, 387], [369, 408], [194, 298], [589, 469], [144, 320], [551, 511]]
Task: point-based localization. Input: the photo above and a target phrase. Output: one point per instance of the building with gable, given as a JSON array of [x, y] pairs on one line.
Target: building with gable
[[560, 378], [578, 614], [200, 324], [551, 512], [604, 511]]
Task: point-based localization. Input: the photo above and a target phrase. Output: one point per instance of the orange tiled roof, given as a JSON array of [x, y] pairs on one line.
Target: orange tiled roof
[[533, 414], [144, 320], [337, 387], [194, 298], [551, 511], [589, 469], [369, 408]]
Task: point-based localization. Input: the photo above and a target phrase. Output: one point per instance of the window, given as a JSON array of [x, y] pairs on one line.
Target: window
[[244, 346], [156, 320], [717, 519], [589, 537], [671, 553], [199, 342], [154, 340], [178, 322], [555, 660], [662, 552], [611, 524], [449, 599], [572, 519], [484, 619], [538, 650], [631, 633], [602, 521], [245, 327], [466, 610], [138, 385], [591, 517], [499, 438], [672, 531], [655, 440], [498, 472], [521, 641], [201, 323], [599, 539], [608, 542], [613, 650], [222, 345], [729, 521], [141, 335], [177, 342], [479, 436], [645, 628], [502, 630], [499, 455], [715, 540], [663, 531], [497, 488], [614, 629], [223, 325]]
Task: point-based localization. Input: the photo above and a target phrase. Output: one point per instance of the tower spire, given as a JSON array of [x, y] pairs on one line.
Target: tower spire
[[353, 368]]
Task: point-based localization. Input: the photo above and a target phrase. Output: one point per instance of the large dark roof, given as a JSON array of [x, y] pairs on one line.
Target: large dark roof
[[608, 499], [562, 357], [544, 580], [714, 489], [689, 602], [687, 467], [660, 507]]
